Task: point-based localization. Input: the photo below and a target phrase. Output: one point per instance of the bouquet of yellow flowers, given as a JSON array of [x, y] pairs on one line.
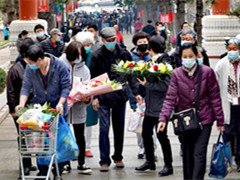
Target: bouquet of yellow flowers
[[143, 69]]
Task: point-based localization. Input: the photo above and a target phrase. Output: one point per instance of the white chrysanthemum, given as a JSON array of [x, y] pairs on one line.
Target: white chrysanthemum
[[121, 63], [169, 67], [37, 106], [151, 69]]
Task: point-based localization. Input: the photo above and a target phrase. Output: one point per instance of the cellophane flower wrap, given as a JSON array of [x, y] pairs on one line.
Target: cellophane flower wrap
[[143, 69], [94, 87]]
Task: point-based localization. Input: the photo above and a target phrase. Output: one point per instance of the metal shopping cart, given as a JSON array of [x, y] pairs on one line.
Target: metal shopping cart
[[39, 143]]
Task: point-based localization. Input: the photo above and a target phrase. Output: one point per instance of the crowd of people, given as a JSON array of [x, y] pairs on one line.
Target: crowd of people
[[44, 72]]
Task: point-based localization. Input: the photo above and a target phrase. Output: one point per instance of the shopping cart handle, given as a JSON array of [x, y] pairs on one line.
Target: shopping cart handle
[[46, 127], [23, 127]]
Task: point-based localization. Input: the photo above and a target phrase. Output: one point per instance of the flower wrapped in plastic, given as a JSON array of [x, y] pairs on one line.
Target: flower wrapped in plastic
[[143, 69], [94, 87]]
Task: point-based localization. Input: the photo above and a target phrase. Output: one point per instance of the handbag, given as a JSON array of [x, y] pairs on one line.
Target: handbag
[[136, 120], [188, 121], [221, 158]]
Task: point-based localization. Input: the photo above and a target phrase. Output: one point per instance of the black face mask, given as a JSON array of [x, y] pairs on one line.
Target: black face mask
[[142, 47]]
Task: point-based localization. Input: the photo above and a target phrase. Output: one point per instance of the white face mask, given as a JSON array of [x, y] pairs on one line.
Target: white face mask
[[77, 61]]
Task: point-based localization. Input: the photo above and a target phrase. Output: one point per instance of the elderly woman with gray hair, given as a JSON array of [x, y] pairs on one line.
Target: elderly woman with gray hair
[[87, 40], [228, 76]]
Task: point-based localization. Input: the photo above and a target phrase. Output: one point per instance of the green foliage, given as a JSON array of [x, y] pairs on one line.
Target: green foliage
[[3, 80], [3, 6], [236, 12], [209, 2]]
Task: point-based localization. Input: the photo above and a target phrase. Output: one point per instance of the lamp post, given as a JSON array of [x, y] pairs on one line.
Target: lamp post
[[217, 28]]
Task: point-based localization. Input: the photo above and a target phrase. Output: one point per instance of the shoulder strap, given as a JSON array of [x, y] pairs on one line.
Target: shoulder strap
[[199, 87]]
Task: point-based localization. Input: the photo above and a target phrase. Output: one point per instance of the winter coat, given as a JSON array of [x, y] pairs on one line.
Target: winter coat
[[182, 92], [48, 47], [101, 62], [14, 85], [77, 114], [221, 70], [58, 84]]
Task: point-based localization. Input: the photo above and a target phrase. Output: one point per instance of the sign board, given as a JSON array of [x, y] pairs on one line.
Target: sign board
[[43, 5]]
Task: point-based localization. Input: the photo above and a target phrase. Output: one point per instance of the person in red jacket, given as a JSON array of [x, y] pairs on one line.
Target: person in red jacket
[[182, 93], [120, 39]]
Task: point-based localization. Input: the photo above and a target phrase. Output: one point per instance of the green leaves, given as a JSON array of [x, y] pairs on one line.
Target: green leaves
[[3, 80]]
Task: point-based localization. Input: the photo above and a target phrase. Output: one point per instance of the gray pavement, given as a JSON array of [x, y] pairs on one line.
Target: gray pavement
[[9, 163]]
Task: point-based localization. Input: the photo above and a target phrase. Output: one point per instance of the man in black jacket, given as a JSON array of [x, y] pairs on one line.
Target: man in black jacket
[[101, 62], [14, 84], [53, 45]]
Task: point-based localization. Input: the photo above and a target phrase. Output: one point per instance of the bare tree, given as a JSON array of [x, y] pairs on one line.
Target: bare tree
[[10, 10], [198, 25]]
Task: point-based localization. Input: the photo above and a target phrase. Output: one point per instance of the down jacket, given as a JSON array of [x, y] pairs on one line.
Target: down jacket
[[182, 92]]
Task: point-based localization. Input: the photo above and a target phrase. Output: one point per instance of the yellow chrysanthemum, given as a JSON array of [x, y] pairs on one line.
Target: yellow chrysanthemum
[[162, 68], [125, 66]]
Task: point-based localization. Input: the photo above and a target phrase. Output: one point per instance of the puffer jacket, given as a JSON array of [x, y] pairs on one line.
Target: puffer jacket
[[182, 92]]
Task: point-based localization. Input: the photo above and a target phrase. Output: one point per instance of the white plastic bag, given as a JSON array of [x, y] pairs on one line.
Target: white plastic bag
[[135, 123]]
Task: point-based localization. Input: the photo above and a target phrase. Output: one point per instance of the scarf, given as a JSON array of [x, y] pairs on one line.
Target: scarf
[[190, 72], [233, 82]]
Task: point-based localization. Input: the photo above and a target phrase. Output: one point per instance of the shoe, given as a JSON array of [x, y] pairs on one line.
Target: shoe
[[26, 171], [140, 156], [166, 171], [146, 166], [83, 169], [88, 154], [104, 168], [119, 164], [238, 168], [67, 169], [33, 168]]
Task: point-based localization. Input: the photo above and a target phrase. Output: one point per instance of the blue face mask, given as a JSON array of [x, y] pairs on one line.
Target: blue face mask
[[77, 61], [200, 61], [233, 55], [110, 45], [58, 39], [33, 67], [40, 35], [188, 63], [184, 42], [87, 49]]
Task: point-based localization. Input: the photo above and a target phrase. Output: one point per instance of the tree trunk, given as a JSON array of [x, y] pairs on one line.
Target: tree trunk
[[180, 16], [10, 11], [199, 20]]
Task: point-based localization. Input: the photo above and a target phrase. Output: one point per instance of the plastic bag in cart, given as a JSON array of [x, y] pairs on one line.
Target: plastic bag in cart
[[67, 148]]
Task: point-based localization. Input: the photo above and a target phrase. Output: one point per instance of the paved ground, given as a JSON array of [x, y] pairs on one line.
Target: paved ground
[[9, 154]]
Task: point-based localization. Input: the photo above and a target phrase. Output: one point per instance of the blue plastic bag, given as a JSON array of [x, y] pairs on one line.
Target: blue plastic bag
[[221, 159], [67, 148]]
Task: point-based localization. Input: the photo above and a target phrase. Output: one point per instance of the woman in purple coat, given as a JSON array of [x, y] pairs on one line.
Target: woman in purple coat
[[181, 94]]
